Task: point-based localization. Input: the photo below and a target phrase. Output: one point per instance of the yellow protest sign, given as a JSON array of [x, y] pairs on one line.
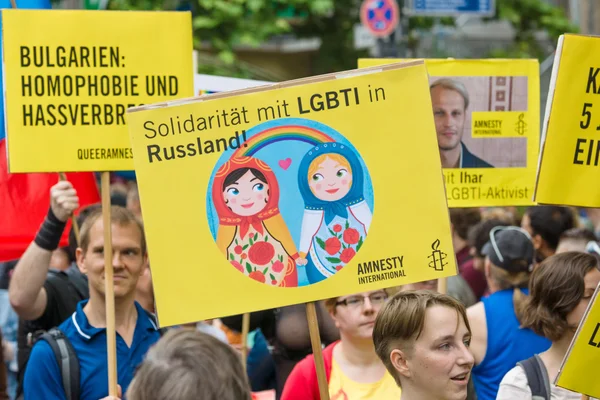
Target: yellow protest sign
[[578, 370], [569, 167], [291, 193], [487, 116], [70, 76]]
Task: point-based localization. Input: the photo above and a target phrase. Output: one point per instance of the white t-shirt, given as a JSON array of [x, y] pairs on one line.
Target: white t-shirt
[[514, 386]]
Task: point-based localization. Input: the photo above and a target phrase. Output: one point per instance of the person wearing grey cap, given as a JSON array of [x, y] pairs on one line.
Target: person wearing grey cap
[[498, 341]]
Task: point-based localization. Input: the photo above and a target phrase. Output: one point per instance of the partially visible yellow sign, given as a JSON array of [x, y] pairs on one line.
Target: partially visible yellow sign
[[487, 123], [291, 193], [70, 76], [578, 371], [569, 169]]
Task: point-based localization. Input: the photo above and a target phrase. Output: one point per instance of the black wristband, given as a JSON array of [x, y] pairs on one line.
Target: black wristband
[[49, 234]]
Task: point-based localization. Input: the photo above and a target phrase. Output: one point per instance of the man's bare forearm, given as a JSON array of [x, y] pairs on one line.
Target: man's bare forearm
[[26, 291]]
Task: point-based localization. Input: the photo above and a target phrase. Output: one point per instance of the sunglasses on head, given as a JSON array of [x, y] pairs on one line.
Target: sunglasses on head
[[592, 248], [504, 228]]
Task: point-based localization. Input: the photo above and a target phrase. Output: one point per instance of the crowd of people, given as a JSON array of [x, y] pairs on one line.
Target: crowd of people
[[500, 331]]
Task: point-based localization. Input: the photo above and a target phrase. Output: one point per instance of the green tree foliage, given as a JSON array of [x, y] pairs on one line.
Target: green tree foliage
[[528, 18], [228, 23], [336, 31], [222, 25]]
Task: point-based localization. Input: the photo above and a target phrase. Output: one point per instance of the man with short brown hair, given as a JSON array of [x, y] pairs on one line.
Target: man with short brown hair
[[86, 329]]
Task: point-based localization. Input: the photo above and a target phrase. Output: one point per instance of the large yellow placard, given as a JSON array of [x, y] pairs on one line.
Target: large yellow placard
[[569, 169], [578, 371], [70, 76], [487, 115], [291, 193]]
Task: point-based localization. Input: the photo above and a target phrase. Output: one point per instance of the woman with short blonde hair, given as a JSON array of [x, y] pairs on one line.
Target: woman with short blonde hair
[[423, 339]]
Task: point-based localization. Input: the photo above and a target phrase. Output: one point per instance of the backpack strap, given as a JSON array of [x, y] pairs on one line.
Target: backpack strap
[[68, 363], [537, 377], [545, 376], [67, 292]]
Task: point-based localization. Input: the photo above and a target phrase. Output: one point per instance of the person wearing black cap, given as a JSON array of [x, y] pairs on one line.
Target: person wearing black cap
[[498, 341]]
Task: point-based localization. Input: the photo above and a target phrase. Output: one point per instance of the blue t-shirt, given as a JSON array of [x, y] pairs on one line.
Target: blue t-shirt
[[43, 379], [507, 344]]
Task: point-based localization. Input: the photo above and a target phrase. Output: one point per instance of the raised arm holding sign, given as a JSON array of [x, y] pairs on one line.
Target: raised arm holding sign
[[68, 84]]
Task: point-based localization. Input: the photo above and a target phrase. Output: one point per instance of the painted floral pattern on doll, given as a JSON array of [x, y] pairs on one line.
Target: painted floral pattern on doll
[[261, 257], [337, 243], [336, 216], [252, 234]]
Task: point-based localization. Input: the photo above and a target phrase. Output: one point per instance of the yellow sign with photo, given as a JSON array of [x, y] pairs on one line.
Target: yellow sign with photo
[[70, 76], [487, 116], [569, 167], [578, 370], [291, 193]]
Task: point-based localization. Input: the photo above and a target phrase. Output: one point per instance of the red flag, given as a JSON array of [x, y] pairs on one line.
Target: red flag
[[24, 203]]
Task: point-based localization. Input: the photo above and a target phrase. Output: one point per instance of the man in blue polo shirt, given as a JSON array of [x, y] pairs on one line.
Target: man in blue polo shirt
[[86, 328]]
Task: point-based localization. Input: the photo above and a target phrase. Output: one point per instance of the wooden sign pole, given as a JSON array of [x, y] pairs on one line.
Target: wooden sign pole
[[315, 339], [111, 334], [443, 285], [245, 331]]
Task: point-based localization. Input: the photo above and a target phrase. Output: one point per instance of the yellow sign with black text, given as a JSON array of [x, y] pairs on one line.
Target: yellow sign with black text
[[569, 166], [70, 76], [578, 370], [486, 116], [291, 193]]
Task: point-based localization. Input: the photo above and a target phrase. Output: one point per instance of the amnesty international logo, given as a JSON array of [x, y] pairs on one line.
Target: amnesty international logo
[[521, 126], [438, 257]]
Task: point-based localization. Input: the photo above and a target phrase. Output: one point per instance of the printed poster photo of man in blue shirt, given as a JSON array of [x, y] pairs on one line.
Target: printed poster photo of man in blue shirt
[[450, 101]]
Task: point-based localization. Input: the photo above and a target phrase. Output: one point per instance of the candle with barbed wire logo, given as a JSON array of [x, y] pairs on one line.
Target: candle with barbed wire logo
[[438, 257]]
